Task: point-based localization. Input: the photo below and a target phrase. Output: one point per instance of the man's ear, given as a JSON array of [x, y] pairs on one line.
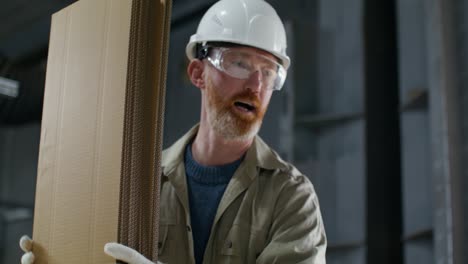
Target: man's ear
[[195, 71]]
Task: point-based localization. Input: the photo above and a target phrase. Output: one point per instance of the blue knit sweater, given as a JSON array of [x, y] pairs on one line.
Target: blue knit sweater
[[206, 185]]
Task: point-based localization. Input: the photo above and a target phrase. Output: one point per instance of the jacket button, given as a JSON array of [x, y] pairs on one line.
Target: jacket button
[[189, 229]]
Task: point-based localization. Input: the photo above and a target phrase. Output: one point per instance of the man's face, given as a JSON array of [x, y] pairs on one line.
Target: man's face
[[236, 107]]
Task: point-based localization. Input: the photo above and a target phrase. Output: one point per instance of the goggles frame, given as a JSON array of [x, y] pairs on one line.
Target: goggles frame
[[215, 55]]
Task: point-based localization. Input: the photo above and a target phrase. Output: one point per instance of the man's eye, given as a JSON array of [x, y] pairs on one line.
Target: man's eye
[[268, 73], [241, 64]]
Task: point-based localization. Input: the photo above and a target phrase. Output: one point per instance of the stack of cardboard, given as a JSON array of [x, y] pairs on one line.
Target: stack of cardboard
[[98, 173]]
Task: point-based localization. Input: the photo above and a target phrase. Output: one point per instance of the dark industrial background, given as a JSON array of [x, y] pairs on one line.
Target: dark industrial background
[[373, 112]]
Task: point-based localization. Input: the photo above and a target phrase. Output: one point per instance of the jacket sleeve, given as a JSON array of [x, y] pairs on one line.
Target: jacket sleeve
[[297, 234]]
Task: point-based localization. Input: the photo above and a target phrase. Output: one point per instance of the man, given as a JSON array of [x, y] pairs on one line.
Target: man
[[226, 197]]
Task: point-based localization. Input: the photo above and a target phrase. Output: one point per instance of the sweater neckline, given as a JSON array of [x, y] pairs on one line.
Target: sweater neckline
[[209, 175]]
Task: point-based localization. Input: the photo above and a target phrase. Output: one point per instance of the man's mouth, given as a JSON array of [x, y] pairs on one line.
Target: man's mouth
[[245, 106]]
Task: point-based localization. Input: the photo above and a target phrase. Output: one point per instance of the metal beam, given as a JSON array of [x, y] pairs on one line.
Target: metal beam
[[383, 168], [445, 138]]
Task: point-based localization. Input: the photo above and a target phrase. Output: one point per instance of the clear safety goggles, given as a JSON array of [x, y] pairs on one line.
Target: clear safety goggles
[[241, 64]]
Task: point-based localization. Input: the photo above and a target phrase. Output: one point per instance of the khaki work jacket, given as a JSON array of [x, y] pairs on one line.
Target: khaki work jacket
[[268, 214]]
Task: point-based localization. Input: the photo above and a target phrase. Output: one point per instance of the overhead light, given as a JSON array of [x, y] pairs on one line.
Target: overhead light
[[16, 214], [9, 88]]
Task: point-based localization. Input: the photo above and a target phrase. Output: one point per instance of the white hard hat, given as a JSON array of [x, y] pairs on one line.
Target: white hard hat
[[246, 22]]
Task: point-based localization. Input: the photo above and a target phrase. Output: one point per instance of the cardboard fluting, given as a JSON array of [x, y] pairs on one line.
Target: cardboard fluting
[[142, 146], [99, 159]]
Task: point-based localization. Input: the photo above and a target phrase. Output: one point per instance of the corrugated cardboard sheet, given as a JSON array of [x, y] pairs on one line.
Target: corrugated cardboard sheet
[[103, 101]]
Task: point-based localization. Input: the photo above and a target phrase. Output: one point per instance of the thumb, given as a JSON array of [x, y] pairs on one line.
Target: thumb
[[125, 254], [26, 243]]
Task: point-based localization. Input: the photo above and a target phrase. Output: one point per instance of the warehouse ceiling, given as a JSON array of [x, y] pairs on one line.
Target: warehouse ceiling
[[24, 27], [25, 24], [24, 37]]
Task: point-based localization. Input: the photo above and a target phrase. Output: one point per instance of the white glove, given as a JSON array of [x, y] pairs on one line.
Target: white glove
[[126, 254], [114, 250], [26, 245]]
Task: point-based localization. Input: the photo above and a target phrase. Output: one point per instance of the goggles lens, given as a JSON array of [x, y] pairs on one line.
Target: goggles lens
[[242, 64]]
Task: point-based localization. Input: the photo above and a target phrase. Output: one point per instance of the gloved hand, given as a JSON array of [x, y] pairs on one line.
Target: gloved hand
[[126, 254], [26, 244], [114, 250]]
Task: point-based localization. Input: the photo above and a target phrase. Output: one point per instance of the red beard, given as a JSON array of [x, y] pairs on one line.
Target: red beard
[[242, 122]]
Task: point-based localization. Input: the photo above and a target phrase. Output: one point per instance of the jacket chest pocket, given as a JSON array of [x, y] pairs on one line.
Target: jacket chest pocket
[[173, 244], [242, 244]]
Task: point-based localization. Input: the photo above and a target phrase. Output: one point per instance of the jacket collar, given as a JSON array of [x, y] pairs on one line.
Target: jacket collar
[[259, 154]]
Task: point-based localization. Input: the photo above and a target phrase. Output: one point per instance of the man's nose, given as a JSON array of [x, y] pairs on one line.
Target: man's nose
[[254, 83]]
